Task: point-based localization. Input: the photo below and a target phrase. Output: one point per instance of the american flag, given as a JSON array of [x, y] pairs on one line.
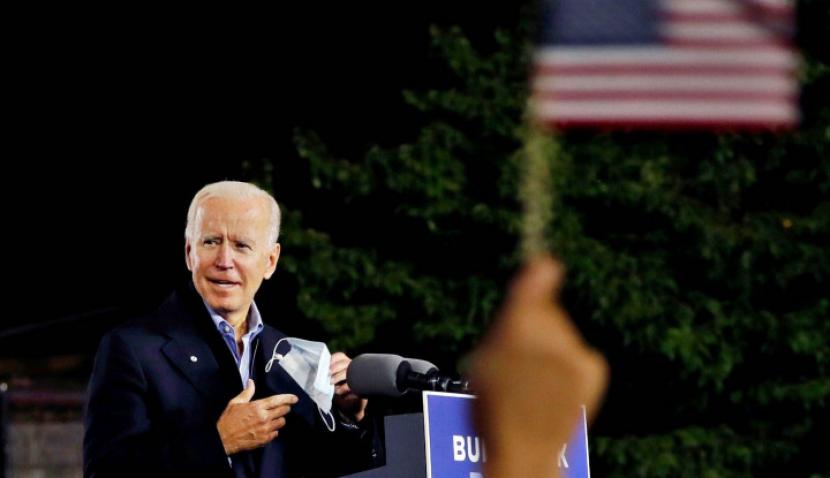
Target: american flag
[[699, 64]]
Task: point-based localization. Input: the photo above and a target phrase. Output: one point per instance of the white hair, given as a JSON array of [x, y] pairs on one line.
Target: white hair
[[234, 190]]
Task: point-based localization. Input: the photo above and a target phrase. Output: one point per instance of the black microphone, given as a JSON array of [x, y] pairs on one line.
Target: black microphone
[[393, 375], [421, 366]]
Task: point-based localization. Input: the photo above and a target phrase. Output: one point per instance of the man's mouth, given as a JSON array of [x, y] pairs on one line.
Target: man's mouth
[[223, 283]]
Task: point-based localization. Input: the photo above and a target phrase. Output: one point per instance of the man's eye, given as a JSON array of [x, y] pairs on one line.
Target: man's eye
[[210, 242], [242, 245]]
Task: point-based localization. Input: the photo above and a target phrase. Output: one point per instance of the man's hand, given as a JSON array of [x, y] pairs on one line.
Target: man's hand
[[532, 372], [347, 401], [245, 425]]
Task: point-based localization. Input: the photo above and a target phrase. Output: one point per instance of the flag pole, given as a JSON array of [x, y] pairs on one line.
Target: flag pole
[[536, 186]]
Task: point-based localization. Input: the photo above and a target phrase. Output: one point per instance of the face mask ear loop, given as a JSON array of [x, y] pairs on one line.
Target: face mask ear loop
[[275, 356], [323, 415]]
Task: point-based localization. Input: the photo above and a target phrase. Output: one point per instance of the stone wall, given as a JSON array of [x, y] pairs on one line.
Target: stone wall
[[44, 450]]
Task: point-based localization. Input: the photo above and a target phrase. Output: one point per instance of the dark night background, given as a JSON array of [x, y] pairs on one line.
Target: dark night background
[[119, 117]]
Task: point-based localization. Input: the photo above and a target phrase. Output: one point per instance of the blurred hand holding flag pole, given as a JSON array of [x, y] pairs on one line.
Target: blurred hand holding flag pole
[[705, 65]]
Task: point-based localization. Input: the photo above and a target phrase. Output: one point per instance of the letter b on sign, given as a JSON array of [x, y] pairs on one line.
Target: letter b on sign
[[458, 451]]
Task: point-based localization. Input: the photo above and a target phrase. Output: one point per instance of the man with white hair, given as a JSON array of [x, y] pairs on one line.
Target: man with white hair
[[190, 391]]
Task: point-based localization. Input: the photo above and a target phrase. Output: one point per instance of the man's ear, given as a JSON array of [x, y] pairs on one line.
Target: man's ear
[[273, 258], [187, 248]]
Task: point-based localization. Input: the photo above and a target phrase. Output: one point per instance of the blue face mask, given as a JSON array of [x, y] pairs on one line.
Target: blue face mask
[[307, 362]]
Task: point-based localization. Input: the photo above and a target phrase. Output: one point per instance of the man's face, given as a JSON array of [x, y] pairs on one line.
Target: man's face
[[229, 253]]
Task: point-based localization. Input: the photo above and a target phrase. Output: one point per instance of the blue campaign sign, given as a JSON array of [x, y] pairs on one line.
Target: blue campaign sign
[[453, 447], [455, 450], [573, 457]]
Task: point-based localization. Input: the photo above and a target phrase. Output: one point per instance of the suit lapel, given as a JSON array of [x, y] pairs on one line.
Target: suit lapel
[[194, 359], [196, 349]]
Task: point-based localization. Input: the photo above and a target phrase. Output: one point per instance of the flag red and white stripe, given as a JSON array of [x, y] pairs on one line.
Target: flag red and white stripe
[[717, 64]]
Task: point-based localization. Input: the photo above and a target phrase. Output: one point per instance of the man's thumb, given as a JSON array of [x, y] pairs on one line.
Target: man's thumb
[[246, 395]]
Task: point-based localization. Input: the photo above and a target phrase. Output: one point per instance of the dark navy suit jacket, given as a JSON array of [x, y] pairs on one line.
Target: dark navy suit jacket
[[159, 385]]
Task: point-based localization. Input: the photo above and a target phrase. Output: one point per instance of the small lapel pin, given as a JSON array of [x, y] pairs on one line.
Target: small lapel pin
[[194, 358]]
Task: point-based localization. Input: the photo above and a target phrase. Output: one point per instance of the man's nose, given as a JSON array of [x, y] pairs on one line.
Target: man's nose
[[224, 258]]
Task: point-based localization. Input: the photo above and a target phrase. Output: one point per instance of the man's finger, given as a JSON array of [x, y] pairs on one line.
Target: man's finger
[[339, 360], [339, 356], [279, 412], [338, 377], [278, 423], [275, 401], [338, 367], [338, 371]]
